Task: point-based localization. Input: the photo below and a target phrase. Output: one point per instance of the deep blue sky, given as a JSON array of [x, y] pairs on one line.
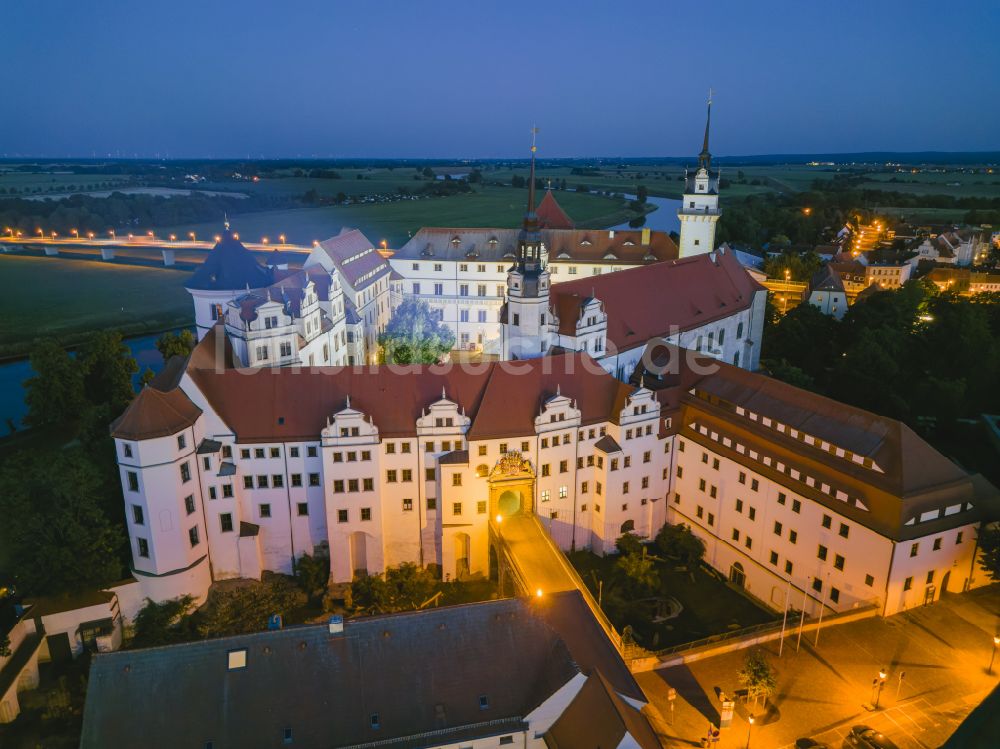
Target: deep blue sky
[[444, 78]]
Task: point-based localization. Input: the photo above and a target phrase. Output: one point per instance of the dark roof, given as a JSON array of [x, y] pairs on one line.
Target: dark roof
[[58, 604], [826, 279], [455, 458], [598, 717], [607, 444], [230, 266], [629, 246], [420, 672], [655, 301]]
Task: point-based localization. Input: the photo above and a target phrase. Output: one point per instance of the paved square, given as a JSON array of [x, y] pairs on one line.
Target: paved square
[[942, 651]]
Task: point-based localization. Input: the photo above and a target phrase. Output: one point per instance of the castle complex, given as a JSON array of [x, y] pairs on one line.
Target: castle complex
[[622, 401]]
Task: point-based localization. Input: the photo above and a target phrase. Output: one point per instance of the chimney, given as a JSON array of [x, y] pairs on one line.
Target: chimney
[[611, 234], [335, 626], [645, 236]]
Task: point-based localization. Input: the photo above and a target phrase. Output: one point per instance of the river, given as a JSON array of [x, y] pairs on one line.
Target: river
[[13, 374], [664, 218]]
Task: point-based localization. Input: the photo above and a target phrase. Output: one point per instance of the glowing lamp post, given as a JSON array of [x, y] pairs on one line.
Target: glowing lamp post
[[878, 684], [192, 235], [993, 655], [75, 233], [750, 722], [499, 519]]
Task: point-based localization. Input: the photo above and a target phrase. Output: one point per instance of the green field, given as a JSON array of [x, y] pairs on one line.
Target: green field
[[42, 182], [66, 299], [397, 221]]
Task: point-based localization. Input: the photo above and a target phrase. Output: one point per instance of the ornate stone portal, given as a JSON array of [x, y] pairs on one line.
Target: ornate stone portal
[[512, 485]]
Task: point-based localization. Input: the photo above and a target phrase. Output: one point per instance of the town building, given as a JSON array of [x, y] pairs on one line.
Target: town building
[[959, 247], [887, 275], [512, 672], [227, 474], [329, 312], [699, 212], [826, 292]]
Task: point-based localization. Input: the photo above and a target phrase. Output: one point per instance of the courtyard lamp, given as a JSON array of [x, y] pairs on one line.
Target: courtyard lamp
[[40, 232], [996, 642], [192, 235], [75, 233], [879, 683], [750, 721], [281, 238], [90, 235]]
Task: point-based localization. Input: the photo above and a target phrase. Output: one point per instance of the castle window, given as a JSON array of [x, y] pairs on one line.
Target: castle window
[[193, 536], [407, 504], [265, 511], [143, 545], [185, 472], [341, 516], [137, 516], [181, 441], [133, 481], [189, 504], [366, 513], [226, 522]]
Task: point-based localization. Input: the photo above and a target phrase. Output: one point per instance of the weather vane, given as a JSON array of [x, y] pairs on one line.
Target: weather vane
[[534, 132]]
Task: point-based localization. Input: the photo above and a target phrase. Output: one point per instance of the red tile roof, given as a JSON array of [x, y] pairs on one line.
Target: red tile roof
[[551, 215], [155, 414], [643, 303]]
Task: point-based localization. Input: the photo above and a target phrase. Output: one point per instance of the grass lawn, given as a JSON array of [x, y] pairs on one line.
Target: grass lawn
[[396, 222], [66, 299], [710, 606]]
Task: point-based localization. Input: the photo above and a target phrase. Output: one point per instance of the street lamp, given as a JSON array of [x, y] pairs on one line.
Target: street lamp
[[90, 235], [750, 720], [878, 684], [996, 641], [75, 233], [281, 238], [192, 235]]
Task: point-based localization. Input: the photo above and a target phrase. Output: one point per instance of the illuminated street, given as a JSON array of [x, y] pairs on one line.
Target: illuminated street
[[943, 649]]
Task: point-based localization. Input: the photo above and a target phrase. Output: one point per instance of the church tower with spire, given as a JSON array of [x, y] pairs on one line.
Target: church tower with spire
[[527, 309], [699, 211]]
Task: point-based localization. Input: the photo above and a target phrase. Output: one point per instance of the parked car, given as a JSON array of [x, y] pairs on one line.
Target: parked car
[[865, 737]]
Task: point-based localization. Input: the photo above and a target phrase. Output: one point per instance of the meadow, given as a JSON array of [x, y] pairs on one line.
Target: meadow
[[66, 299], [396, 221]]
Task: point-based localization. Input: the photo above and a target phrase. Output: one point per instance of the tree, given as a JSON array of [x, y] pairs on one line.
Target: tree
[[803, 338], [628, 543], [55, 393], [641, 194], [313, 574], [415, 336], [639, 570], [57, 538], [246, 608], [108, 366], [175, 344], [402, 588], [162, 623], [989, 551], [4, 646], [678, 542], [757, 676]]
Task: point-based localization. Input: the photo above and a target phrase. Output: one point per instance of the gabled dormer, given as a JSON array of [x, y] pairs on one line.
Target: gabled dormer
[[641, 406], [349, 426], [557, 412], [443, 416]]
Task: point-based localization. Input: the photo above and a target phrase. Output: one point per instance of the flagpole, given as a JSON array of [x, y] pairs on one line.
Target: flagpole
[[802, 616], [784, 619]]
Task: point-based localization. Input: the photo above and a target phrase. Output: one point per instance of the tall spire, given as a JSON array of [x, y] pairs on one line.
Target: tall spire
[[530, 220], [705, 158]]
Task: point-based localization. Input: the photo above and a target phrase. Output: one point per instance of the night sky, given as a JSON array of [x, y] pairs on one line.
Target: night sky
[[436, 78]]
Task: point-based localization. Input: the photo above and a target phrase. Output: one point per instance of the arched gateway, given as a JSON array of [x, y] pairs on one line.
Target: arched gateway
[[512, 486]]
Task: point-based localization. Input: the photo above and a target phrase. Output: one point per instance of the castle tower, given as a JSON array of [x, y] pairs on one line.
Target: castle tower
[[699, 211], [526, 335]]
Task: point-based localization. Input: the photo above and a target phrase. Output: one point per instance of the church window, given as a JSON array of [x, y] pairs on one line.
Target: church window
[[137, 516], [133, 481], [143, 545]]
